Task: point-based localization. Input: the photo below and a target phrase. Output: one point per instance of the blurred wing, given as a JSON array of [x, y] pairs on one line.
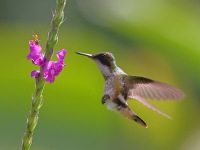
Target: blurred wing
[[140, 88], [144, 102], [147, 88]]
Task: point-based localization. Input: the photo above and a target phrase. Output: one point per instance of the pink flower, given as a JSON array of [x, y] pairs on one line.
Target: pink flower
[[35, 73], [53, 68], [36, 54]]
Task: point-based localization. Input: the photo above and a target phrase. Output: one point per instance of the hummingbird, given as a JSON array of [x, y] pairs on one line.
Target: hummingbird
[[119, 87]]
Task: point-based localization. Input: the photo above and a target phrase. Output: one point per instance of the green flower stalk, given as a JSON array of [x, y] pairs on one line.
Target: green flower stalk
[[48, 70]]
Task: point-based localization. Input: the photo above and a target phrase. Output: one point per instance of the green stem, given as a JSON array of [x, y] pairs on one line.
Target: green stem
[[57, 20], [37, 98]]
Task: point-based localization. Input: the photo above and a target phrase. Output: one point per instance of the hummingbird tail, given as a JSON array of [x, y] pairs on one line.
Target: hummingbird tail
[[127, 112], [139, 120]]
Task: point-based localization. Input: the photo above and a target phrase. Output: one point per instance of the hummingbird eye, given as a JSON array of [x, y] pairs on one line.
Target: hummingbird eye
[[105, 58]]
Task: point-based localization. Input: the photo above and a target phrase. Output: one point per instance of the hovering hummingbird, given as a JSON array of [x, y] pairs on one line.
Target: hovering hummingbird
[[119, 87]]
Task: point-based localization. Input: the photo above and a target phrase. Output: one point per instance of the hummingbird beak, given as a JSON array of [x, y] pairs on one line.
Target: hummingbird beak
[[84, 54]]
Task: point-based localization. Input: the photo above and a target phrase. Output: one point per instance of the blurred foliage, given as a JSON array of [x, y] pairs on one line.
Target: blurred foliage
[[151, 38]]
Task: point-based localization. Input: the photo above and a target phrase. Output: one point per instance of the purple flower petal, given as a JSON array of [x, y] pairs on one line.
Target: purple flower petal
[[35, 53], [53, 68], [35, 73], [49, 72], [49, 78], [35, 47], [61, 54]]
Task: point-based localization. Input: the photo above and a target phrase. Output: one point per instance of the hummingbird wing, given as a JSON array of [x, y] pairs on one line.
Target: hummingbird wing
[[140, 88], [147, 104], [147, 88]]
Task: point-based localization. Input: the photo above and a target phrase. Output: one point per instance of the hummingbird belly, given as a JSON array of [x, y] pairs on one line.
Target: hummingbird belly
[[113, 87], [111, 105]]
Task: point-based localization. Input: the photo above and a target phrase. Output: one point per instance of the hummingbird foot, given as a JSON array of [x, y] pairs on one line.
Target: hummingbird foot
[[104, 98]]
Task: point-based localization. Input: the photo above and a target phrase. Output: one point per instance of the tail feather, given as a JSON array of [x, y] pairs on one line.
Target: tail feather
[[139, 120], [127, 112]]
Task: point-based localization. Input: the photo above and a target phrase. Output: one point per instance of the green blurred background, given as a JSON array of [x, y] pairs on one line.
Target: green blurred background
[[158, 39]]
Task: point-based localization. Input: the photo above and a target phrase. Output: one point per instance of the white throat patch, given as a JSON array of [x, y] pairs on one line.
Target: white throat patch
[[104, 69]]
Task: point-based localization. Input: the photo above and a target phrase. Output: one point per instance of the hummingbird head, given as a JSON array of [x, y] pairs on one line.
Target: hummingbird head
[[105, 61]]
